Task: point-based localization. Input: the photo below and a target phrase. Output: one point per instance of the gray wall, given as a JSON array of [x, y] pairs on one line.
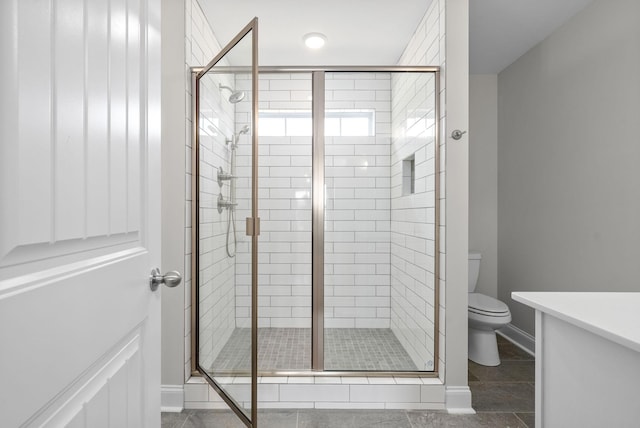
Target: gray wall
[[173, 189], [569, 159], [456, 245], [483, 178]]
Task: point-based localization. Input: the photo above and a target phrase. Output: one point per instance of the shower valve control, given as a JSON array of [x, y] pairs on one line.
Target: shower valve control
[[225, 204], [223, 176]]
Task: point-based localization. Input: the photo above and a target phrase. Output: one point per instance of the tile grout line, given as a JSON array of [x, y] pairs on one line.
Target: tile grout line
[[520, 419], [185, 420], [406, 414]]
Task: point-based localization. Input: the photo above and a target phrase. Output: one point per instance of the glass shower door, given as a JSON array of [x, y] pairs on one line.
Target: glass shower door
[[225, 259], [380, 222]]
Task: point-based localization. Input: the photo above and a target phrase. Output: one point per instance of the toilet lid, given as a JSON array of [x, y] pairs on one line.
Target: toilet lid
[[481, 303]]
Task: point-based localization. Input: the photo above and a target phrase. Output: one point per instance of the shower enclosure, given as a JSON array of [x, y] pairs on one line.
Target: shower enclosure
[[339, 274]]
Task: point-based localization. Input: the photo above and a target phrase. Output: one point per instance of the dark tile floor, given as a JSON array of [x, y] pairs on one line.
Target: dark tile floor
[[508, 388], [503, 397]]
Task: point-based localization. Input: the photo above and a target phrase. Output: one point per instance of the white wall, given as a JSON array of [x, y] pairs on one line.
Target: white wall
[[569, 150], [483, 178]]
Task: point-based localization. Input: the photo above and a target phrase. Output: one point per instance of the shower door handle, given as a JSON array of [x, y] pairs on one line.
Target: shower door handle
[[170, 279], [253, 226]]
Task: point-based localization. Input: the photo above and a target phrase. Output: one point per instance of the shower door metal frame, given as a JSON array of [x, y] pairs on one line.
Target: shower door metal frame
[[318, 109], [317, 222], [253, 222]]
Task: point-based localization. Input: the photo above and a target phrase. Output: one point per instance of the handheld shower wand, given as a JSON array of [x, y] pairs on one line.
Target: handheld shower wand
[[231, 215], [234, 140]]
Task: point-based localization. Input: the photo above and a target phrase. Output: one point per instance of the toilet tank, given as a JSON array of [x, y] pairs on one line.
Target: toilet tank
[[474, 269]]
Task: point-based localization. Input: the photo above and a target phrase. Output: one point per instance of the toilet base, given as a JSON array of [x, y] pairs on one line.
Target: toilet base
[[483, 347]]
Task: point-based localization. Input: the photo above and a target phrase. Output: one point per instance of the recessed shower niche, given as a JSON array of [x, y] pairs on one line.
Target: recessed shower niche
[[342, 274], [409, 176]]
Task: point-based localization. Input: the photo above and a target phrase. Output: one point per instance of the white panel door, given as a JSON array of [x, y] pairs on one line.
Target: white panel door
[[79, 213]]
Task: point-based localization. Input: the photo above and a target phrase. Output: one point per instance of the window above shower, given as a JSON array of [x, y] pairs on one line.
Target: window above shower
[[297, 123]]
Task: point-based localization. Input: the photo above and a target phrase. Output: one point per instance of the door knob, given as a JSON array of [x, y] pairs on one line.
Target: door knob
[[170, 279]]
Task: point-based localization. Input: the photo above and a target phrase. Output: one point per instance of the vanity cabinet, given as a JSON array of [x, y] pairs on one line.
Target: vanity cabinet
[[587, 358]]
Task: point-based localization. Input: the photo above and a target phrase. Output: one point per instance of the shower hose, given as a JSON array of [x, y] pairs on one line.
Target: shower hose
[[231, 223]]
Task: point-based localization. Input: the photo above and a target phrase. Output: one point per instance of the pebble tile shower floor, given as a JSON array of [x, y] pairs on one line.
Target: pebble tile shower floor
[[368, 349]]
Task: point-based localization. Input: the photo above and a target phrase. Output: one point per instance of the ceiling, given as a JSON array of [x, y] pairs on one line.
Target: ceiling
[[500, 31], [375, 32], [358, 31]]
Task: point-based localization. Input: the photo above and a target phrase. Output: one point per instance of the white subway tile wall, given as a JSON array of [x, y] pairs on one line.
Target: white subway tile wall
[[413, 216], [284, 262], [324, 393], [217, 271], [412, 312], [357, 239], [357, 212]]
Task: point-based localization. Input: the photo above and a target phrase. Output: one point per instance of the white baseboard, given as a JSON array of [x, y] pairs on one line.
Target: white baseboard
[[172, 398], [518, 337], [458, 400]]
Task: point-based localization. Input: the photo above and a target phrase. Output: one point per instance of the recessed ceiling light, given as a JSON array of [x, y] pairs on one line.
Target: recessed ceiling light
[[314, 40]]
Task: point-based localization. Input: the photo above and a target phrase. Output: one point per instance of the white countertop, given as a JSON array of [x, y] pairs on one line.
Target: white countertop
[[614, 316]]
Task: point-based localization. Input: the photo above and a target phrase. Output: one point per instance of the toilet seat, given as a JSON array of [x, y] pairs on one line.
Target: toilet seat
[[481, 304]]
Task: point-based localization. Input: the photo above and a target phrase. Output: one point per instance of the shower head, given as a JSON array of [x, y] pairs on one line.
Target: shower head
[[236, 96]]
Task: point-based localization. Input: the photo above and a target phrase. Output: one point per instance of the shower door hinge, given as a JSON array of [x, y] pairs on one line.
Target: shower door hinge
[[253, 226]]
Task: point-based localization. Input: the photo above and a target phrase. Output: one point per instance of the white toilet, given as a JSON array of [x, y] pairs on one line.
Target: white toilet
[[486, 315]]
